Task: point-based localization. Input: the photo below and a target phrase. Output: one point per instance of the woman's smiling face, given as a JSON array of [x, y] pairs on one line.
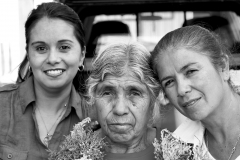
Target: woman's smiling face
[[190, 82], [123, 108], [54, 53]]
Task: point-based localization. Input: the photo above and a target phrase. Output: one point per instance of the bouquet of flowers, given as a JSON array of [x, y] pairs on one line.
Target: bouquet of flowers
[[172, 148], [81, 144]]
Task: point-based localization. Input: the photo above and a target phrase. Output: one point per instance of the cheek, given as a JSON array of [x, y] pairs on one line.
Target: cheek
[[171, 95], [35, 65], [103, 109], [36, 61], [212, 87], [31, 59], [206, 85], [76, 57], [141, 113], [72, 61]]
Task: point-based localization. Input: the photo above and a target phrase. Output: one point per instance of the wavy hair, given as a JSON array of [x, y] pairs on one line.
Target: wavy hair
[[118, 59]]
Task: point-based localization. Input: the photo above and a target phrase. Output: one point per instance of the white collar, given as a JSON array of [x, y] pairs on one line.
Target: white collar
[[191, 132]]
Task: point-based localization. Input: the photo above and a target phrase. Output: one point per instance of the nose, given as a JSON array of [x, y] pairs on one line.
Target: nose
[[183, 86], [53, 57], [121, 106]]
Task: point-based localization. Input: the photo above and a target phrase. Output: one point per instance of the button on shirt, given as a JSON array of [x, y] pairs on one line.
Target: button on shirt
[[19, 138]]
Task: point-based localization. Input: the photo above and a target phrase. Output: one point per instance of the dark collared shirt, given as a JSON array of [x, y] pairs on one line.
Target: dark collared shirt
[[19, 138]]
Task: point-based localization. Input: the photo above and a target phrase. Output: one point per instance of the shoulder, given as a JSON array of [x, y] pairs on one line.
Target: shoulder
[[8, 88], [8, 95], [7, 104]]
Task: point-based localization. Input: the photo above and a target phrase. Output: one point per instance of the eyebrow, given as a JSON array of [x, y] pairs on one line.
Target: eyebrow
[[61, 41], [136, 86], [186, 66], [33, 43], [104, 85], [182, 69], [64, 40], [112, 86], [165, 78]]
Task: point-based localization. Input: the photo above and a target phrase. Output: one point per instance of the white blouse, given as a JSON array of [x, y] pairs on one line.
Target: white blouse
[[193, 132]]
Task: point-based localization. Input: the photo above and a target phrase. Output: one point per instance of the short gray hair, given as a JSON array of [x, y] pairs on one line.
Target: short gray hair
[[116, 60]]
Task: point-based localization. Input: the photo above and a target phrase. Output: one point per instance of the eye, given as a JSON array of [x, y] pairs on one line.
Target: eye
[[64, 47], [41, 49], [190, 72], [168, 83], [135, 93], [106, 93]]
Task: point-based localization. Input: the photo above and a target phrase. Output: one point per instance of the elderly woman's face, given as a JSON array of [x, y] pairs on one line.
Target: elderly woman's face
[[123, 108]]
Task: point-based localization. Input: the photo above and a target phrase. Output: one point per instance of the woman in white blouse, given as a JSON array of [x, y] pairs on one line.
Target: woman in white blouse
[[193, 69]]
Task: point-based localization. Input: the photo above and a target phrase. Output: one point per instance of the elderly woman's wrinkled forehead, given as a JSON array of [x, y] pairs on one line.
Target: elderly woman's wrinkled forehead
[[124, 82], [117, 70]]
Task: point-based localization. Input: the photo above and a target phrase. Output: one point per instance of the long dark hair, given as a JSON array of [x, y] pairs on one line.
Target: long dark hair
[[52, 10]]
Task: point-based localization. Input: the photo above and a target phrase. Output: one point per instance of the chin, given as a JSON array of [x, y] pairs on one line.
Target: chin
[[54, 86], [122, 139], [197, 117]]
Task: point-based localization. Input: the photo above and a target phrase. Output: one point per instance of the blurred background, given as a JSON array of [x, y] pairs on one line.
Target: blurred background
[[13, 14]]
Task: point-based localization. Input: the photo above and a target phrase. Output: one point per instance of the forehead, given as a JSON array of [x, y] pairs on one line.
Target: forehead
[[124, 81], [52, 27], [177, 59]]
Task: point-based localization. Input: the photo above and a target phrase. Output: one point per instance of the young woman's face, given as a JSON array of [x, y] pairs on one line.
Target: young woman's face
[[190, 82], [123, 108], [54, 53]]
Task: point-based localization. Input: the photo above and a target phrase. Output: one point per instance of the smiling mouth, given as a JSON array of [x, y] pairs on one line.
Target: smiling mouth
[[191, 102], [54, 72]]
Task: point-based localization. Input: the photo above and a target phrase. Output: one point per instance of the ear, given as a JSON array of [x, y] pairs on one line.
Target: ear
[[27, 59], [225, 69], [82, 56], [162, 98]]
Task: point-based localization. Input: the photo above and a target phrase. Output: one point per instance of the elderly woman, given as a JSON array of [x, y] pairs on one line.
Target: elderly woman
[[123, 91]]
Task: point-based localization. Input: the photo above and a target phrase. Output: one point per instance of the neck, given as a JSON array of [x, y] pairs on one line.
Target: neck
[[222, 127], [136, 145], [57, 100]]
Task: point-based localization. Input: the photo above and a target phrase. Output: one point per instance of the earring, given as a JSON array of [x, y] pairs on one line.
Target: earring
[[29, 68], [81, 68]]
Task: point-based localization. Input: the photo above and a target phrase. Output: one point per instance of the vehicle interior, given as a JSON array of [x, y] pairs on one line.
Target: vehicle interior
[[146, 21]]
